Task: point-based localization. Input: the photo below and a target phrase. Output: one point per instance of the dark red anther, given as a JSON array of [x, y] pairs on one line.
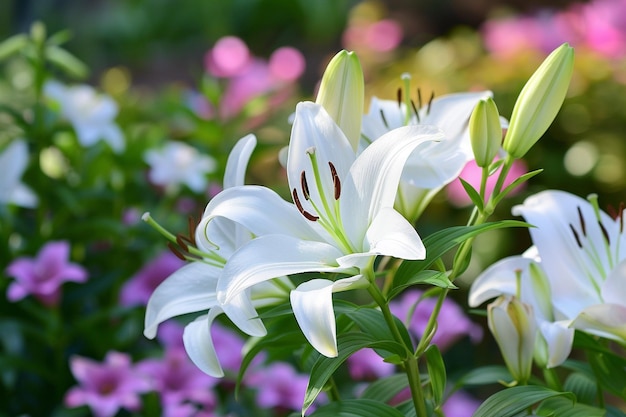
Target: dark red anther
[[604, 232], [430, 102], [336, 181], [382, 116], [175, 251], [301, 209], [399, 97], [305, 186], [621, 217], [580, 245], [582, 221], [419, 98]]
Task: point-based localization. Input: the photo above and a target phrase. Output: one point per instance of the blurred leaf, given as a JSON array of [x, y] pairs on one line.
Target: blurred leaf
[[484, 375], [437, 373], [386, 388], [67, 62], [583, 386], [472, 194], [354, 408], [563, 407], [12, 45], [511, 401]]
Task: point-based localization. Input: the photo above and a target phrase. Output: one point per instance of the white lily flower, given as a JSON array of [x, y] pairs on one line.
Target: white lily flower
[[91, 114], [193, 287], [14, 160], [576, 276], [341, 218], [430, 167], [178, 163]]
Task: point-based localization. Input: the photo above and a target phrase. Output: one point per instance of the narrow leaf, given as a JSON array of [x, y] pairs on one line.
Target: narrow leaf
[[357, 408], [511, 401], [437, 373], [472, 194], [386, 388], [430, 277]]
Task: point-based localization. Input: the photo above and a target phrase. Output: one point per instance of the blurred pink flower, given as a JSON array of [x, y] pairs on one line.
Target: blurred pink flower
[[178, 381], [137, 290], [286, 64], [460, 404], [279, 386], [365, 364], [229, 57], [472, 174], [106, 387], [452, 323], [42, 276], [380, 36]]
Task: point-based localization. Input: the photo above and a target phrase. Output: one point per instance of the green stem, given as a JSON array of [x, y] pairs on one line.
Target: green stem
[[552, 379], [431, 325], [412, 372]]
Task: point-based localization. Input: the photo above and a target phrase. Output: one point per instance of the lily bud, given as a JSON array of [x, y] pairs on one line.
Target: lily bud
[[485, 131], [341, 93], [539, 102], [513, 326]]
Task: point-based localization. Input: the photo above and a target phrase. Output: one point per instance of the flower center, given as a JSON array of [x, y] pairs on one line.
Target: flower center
[[326, 211]]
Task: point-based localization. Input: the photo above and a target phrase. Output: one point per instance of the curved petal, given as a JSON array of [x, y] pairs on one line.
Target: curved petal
[[575, 275], [372, 182], [235, 172], [499, 279], [434, 165], [451, 114], [559, 338], [383, 116], [606, 320], [614, 287], [243, 314], [312, 305], [315, 131], [190, 289], [391, 234], [199, 344], [258, 209], [273, 256]]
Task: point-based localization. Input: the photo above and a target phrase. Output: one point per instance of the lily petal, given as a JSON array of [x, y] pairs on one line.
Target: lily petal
[[613, 288], [235, 172], [383, 116], [606, 320], [391, 234], [312, 305], [499, 279], [190, 289], [199, 344], [272, 256], [372, 182], [559, 338]]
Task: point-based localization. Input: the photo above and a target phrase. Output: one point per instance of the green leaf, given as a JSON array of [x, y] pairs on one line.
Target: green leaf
[[386, 388], [582, 385], [440, 242], [324, 367], [511, 401], [428, 276], [437, 373], [66, 61], [357, 408], [485, 375], [563, 407], [372, 322], [515, 184], [12, 45], [473, 194]]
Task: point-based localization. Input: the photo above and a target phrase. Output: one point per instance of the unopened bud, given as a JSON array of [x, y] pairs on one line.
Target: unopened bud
[[485, 131]]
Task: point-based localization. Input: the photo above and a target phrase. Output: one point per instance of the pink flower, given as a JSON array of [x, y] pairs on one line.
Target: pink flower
[[286, 64], [365, 364], [279, 386], [452, 323], [460, 404], [228, 58], [42, 276], [106, 387], [178, 380], [377, 37], [472, 174]]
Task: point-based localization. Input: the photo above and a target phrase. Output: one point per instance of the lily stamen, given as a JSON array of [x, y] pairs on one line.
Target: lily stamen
[[301, 209], [305, 186], [336, 180], [582, 221]]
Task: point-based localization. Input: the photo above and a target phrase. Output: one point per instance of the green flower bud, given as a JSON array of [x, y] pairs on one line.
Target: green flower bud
[[485, 131], [342, 92], [539, 102], [513, 326]]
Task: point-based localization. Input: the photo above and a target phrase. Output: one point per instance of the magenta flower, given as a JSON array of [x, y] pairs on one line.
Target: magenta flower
[[106, 387], [460, 404], [178, 381], [472, 174], [365, 364], [452, 323], [279, 386], [138, 289], [42, 276]]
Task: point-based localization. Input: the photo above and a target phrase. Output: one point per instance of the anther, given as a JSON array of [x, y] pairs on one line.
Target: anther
[[417, 113], [305, 186], [399, 96], [582, 221], [430, 102], [621, 217], [182, 242], [336, 180], [301, 209], [580, 245], [175, 251], [419, 97], [382, 116], [604, 232]]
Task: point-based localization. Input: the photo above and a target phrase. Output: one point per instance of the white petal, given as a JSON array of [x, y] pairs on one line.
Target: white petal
[[315, 131], [570, 269], [235, 172], [434, 165], [190, 289], [258, 209], [199, 344], [243, 314], [273, 256], [614, 287], [312, 305], [13, 160], [499, 279], [372, 182], [391, 234], [374, 125], [451, 114], [559, 338], [113, 135], [606, 320]]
